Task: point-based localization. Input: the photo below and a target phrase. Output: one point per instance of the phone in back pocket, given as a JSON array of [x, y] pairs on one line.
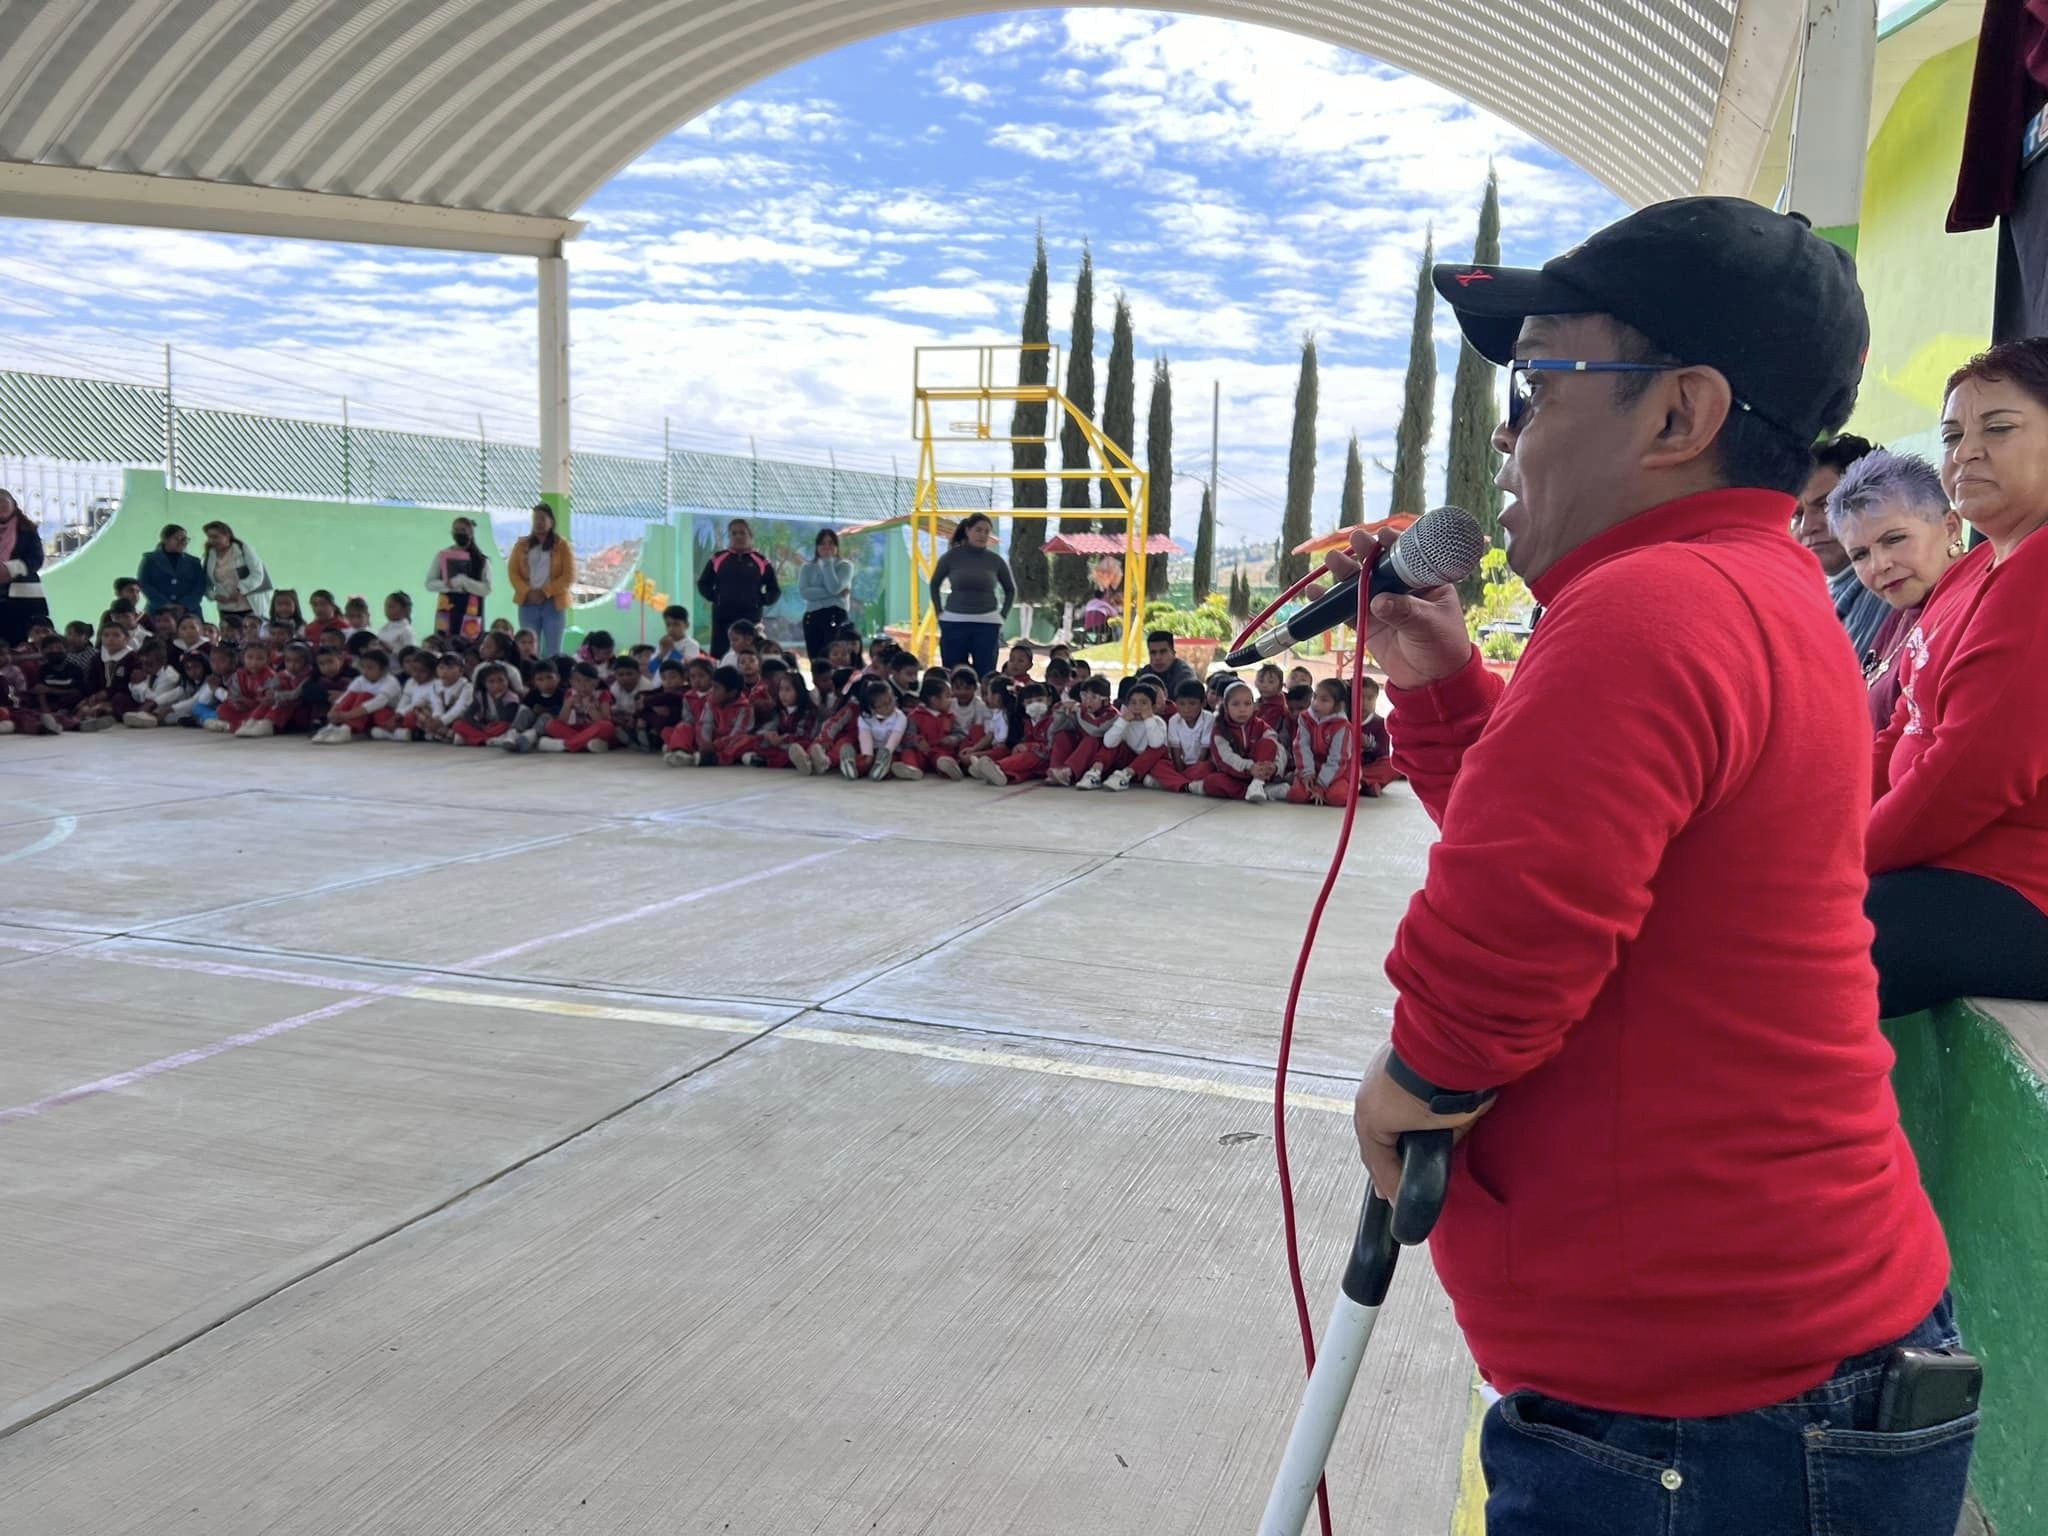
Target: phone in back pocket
[[1928, 1387]]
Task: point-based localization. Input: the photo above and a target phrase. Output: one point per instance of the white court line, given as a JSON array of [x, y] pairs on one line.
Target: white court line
[[62, 826], [371, 992]]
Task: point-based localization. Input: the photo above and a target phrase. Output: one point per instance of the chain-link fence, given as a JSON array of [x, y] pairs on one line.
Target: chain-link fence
[[49, 419]]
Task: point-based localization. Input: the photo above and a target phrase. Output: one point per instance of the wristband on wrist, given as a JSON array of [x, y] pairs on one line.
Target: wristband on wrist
[[1441, 1101]]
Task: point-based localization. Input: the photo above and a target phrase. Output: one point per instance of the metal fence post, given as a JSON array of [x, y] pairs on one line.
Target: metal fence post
[[170, 422]]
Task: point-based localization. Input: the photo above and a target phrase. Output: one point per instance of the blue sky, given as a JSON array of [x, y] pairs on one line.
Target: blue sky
[[764, 271]]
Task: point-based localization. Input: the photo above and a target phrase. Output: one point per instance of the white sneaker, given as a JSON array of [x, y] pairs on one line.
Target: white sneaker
[[135, 720], [848, 763], [1092, 779], [989, 771], [257, 728], [1120, 781], [553, 744], [6, 727], [598, 744], [750, 759], [507, 740], [904, 771], [950, 767], [1195, 787], [1255, 792], [218, 726], [1061, 776], [881, 769], [1152, 782], [377, 732], [800, 760], [331, 735], [679, 759], [821, 760], [401, 734]]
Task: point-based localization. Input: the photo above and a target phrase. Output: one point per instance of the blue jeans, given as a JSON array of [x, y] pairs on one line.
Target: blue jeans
[[1812, 1466], [965, 640], [547, 621]]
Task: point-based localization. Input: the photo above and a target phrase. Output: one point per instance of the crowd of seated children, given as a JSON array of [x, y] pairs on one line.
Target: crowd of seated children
[[334, 679]]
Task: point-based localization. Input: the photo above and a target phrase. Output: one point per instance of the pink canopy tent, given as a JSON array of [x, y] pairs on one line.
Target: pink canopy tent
[[1105, 544]]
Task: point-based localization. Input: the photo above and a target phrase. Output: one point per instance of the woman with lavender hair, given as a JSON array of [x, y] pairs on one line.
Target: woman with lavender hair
[[1893, 519]]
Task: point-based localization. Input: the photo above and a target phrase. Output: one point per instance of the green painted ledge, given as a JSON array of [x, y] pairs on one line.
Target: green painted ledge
[[1972, 1082]]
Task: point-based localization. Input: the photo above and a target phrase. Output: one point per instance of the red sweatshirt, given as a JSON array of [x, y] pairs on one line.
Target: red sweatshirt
[[1962, 770], [1643, 922], [935, 730]]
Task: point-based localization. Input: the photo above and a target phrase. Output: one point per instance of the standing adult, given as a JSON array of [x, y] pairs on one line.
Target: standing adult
[[826, 585], [461, 575], [972, 591], [169, 575], [1892, 516], [1958, 843], [1688, 1237], [1165, 663], [1860, 610], [739, 582], [543, 569], [21, 573], [235, 578]]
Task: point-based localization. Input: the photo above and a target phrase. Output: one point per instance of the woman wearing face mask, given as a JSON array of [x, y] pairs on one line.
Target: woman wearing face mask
[[21, 574], [1892, 518], [462, 577], [1957, 847]]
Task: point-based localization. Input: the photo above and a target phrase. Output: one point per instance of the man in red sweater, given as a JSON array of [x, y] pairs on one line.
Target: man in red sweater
[[1687, 1239]]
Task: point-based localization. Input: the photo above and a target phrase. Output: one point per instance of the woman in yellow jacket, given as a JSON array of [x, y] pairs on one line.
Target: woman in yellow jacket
[[542, 569]]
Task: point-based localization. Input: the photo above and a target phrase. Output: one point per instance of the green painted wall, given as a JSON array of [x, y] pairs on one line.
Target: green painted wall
[[304, 544], [1929, 293], [1978, 1118]]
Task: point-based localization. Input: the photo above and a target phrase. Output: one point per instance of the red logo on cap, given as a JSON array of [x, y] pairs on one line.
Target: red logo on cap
[[1467, 279]]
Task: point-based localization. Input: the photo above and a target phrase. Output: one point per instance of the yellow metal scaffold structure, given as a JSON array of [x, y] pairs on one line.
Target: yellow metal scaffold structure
[[934, 383]]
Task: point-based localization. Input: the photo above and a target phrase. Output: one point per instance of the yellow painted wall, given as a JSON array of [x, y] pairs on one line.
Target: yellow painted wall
[[1929, 293]]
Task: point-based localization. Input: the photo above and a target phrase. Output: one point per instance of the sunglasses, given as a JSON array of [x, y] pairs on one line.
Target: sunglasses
[[1522, 394]]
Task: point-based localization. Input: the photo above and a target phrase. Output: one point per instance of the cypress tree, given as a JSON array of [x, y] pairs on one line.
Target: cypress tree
[[1027, 419], [1295, 527], [1120, 403], [1468, 478], [1070, 572], [1352, 508], [1205, 549], [1159, 469], [1418, 396]]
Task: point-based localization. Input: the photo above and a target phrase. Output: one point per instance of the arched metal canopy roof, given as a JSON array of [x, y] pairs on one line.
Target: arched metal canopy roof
[[485, 124]]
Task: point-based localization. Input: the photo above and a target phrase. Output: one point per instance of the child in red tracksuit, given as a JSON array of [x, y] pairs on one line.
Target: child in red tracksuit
[[245, 691], [1271, 708], [1323, 744], [1244, 755], [1030, 754], [879, 735], [1375, 742], [1000, 723], [1189, 731], [494, 709], [373, 691], [788, 730], [283, 705], [722, 731], [1089, 721], [1133, 746], [838, 719], [585, 721], [934, 738]]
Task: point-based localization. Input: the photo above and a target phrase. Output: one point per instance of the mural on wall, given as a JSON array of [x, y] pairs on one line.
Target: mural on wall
[[787, 542]]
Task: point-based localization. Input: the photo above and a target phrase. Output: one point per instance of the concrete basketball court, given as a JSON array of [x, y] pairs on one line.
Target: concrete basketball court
[[411, 1140]]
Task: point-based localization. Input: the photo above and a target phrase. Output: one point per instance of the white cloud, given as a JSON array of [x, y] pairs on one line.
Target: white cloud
[[730, 170], [964, 90], [812, 120], [1013, 35], [945, 303]]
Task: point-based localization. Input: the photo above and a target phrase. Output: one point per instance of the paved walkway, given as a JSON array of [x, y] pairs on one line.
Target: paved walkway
[[401, 1139]]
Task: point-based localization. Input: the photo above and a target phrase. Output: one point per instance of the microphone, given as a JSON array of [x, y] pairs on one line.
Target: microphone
[[1442, 546]]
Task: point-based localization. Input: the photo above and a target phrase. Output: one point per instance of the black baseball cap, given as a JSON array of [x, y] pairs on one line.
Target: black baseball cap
[[1716, 281]]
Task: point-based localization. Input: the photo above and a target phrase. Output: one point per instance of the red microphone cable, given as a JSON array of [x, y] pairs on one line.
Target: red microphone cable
[[1308, 944]]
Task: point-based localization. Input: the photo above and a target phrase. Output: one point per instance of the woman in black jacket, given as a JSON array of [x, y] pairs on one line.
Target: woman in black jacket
[[21, 573]]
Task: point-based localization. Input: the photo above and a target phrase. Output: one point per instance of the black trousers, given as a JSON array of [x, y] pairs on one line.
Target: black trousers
[[820, 625], [723, 619], [1943, 934]]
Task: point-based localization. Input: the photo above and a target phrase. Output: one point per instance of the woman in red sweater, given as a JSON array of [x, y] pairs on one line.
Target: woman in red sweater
[[1958, 842]]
